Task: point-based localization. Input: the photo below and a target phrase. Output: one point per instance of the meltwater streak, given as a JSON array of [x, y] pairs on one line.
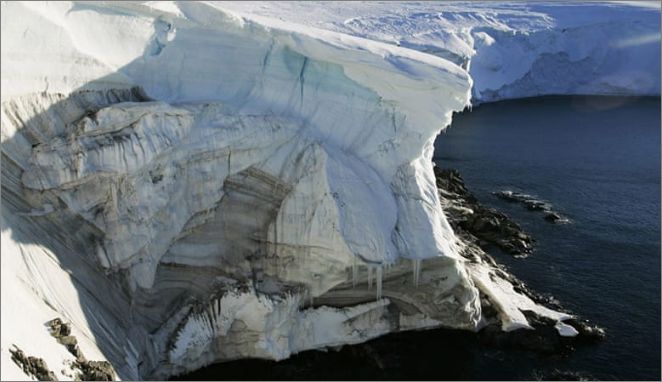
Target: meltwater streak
[[597, 160]]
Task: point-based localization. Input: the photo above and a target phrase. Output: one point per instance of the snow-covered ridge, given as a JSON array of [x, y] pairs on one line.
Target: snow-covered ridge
[[510, 49], [193, 182]]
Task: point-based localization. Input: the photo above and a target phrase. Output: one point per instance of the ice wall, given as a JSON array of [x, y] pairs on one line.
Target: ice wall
[[197, 154], [372, 109]]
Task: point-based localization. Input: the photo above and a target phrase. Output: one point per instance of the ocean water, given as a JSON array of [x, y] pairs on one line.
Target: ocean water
[[597, 160]]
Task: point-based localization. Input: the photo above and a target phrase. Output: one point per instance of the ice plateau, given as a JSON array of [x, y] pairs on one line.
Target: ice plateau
[[188, 183]]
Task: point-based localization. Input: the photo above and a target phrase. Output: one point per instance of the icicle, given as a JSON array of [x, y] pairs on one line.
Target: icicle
[[369, 277], [355, 272], [379, 282], [417, 270]]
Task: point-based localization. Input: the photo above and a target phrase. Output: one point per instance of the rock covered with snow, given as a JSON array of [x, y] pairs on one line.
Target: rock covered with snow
[[190, 182]]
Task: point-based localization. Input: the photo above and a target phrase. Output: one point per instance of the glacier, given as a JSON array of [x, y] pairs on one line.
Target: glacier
[[510, 49], [187, 183]]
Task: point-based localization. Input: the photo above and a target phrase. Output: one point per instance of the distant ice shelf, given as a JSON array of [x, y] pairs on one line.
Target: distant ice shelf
[[510, 49]]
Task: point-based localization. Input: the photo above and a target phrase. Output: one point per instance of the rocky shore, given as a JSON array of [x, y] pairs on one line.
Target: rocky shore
[[476, 223], [483, 227]]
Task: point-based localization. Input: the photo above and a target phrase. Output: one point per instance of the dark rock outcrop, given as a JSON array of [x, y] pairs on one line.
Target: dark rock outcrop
[[62, 333], [95, 370], [477, 223], [88, 370], [532, 204], [33, 366], [587, 332]]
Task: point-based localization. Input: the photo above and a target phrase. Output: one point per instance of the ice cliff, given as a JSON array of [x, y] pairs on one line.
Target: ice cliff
[[190, 182]]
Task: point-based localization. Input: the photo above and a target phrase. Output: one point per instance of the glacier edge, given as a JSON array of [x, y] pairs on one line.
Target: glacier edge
[[188, 184]]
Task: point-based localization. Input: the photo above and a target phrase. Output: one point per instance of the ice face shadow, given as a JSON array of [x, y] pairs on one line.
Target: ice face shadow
[[54, 249]]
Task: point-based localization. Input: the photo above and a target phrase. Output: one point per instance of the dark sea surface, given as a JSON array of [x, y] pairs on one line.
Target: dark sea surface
[[597, 161]]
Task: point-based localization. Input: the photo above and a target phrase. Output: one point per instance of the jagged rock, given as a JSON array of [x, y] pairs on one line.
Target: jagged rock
[[486, 224], [32, 366], [68, 341], [95, 371], [58, 329], [532, 204], [62, 333], [89, 370], [544, 338], [552, 217], [587, 331]]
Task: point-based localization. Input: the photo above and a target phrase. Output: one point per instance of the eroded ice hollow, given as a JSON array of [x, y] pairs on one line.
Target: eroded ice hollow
[[187, 186]]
